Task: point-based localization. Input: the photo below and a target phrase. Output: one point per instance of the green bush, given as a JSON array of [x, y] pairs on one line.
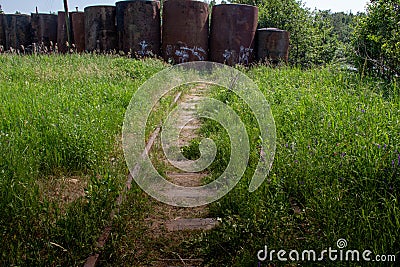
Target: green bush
[[377, 39], [312, 39]]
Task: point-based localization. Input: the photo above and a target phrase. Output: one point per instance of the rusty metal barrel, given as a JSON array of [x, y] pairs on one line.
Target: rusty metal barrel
[[44, 28], [78, 30], [185, 31], [62, 37], [139, 27], [273, 45], [100, 28], [18, 31], [2, 34], [233, 31]]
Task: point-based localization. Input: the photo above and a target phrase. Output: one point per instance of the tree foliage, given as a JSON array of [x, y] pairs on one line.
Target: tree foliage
[[377, 39], [312, 37], [343, 25]]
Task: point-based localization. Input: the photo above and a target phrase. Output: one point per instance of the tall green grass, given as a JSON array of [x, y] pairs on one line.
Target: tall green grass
[[337, 160], [61, 116]]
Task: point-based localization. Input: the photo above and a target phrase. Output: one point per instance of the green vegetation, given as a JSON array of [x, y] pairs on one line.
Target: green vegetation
[[369, 41], [336, 172], [315, 38], [61, 116], [377, 39], [337, 161]]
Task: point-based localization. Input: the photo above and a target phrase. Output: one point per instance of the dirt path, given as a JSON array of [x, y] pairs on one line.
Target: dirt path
[[165, 235], [173, 226]]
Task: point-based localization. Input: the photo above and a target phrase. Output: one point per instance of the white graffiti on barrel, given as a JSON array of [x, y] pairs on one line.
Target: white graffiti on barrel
[[184, 53], [244, 55], [145, 49], [227, 55]]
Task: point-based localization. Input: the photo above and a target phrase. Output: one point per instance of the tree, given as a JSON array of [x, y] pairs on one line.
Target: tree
[[343, 29], [211, 4], [325, 43], [377, 39], [343, 25], [311, 34]]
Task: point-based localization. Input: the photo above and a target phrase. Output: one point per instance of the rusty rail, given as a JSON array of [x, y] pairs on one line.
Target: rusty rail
[[92, 260]]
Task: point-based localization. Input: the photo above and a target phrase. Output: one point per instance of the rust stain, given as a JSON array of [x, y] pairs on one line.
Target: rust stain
[[185, 31], [44, 28], [139, 27], [232, 36], [78, 30], [273, 45], [100, 28]]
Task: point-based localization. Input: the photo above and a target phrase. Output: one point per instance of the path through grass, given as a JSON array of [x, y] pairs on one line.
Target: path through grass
[[338, 159]]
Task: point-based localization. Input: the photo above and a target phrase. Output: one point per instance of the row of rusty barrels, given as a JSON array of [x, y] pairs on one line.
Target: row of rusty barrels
[[185, 33], [21, 31], [135, 27]]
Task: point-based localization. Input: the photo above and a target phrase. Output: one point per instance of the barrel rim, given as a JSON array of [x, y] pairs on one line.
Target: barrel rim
[[231, 4], [196, 1], [45, 14], [76, 12], [98, 6], [17, 15], [134, 1], [69, 12]]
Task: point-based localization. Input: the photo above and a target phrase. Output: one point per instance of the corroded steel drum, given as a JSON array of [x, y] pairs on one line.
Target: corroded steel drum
[[44, 28], [139, 27], [185, 31], [2, 33], [100, 28], [233, 31], [78, 30], [120, 13], [18, 31], [272, 45], [62, 37]]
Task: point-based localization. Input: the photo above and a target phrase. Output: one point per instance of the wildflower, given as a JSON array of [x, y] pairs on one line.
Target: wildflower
[[379, 146], [344, 154], [384, 146], [398, 161], [363, 111]]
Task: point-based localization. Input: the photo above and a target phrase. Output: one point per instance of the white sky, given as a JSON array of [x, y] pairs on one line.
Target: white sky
[[45, 6], [337, 5]]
